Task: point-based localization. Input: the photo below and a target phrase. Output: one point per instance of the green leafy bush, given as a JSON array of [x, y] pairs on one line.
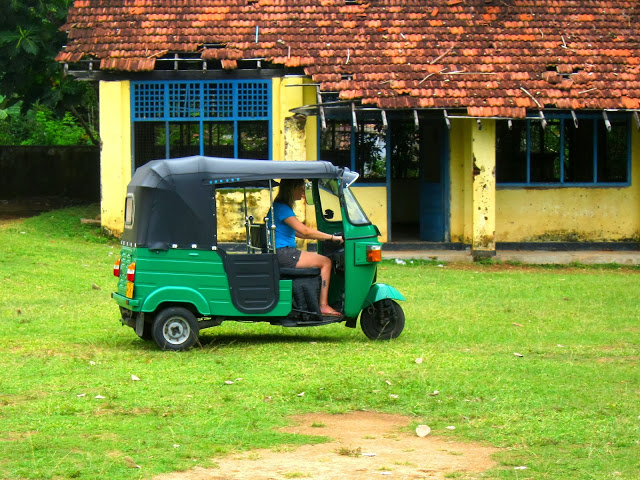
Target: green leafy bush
[[40, 126]]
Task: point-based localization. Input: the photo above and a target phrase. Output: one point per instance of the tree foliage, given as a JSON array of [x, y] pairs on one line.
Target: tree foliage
[[30, 38]]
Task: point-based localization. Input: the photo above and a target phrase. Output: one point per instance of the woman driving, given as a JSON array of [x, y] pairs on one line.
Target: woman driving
[[288, 227]]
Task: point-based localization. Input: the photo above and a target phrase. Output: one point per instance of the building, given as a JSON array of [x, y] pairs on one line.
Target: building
[[470, 121]]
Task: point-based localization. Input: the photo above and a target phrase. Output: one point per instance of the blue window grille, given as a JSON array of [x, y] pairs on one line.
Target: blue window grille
[[253, 100], [148, 101], [218, 100], [195, 107]]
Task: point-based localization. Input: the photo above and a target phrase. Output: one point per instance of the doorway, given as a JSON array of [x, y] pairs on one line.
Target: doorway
[[419, 181]]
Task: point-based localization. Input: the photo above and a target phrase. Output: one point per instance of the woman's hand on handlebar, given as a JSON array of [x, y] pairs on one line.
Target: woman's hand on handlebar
[[337, 238]]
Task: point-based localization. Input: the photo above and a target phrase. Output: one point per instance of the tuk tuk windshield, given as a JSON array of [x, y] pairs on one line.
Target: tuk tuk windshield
[[329, 195]]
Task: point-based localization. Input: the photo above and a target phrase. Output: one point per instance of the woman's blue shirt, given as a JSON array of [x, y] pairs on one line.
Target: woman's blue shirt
[[285, 235]]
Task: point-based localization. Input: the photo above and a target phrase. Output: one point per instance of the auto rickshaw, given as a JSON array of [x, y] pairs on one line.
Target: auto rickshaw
[[175, 279]]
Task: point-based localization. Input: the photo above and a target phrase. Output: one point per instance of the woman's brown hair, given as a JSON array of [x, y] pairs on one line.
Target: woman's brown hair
[[286, 190]]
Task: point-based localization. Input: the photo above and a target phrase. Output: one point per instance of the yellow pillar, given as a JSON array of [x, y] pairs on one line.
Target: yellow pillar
[[115, 153], [293, 136], [483, 189]]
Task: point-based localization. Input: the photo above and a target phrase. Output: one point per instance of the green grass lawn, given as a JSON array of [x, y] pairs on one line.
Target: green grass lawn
[[83, 397]]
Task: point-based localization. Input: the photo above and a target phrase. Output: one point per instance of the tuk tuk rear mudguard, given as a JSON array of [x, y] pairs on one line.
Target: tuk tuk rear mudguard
[[164, 295], [176, 295], [381, 291]]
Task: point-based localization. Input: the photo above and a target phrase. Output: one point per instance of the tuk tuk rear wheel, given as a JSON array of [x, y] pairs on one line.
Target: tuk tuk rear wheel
[[383, 320], [175, 328]]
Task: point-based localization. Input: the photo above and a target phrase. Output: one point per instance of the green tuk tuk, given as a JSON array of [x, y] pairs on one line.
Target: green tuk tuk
[[175, 278]]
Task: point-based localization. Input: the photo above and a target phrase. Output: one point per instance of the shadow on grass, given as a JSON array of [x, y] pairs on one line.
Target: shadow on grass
[[213, 341], [229, 339]]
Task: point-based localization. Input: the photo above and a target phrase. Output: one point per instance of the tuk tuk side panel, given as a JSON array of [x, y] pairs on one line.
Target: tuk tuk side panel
[[359, 274], [184, 276]]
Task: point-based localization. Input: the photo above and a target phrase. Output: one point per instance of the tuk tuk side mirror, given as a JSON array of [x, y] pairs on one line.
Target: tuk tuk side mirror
[[308, 193]]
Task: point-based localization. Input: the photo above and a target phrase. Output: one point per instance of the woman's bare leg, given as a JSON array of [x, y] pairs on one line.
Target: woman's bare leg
[[311, 259]]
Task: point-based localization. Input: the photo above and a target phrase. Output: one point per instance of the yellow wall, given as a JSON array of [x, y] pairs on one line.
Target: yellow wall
[[572, 214], [231, 214], [115, 154], [521, 214], [373, 201], [542, 214]]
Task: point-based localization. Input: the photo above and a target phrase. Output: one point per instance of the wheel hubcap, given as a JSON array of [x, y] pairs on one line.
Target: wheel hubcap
[[176, 331]]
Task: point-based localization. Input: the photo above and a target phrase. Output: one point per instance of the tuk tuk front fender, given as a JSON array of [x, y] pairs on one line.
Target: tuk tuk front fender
[[175, 295], [380, 291]]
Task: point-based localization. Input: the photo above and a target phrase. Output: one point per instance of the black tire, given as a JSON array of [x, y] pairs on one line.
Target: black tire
[[384, 320], [175, 328]]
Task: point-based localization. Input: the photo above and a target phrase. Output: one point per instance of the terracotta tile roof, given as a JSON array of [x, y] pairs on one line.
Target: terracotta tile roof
[[490, 57]]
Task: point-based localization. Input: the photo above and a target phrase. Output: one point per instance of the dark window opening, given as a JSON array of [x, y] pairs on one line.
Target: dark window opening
[[369, 144], [253, 140], [335, 143], [544, 148], [405, 152], [613, 152], [511, 152], [184, 139], [562, 153], [578, 152], [218, 139], [149, 142], [371, 152]]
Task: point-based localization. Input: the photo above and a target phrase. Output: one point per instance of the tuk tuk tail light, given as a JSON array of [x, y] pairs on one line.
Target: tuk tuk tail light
[[374, 253], [116, 268], [131, 272]]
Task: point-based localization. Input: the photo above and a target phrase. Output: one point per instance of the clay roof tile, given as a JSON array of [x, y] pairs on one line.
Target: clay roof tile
[[453, 53]]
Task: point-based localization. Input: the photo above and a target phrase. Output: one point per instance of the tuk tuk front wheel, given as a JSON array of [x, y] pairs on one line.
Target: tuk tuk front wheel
[[383, 320], [175, 328]]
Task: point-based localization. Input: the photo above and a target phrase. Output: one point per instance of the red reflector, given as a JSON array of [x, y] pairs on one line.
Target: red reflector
[[131, 272], [116, 268], [374, 253]]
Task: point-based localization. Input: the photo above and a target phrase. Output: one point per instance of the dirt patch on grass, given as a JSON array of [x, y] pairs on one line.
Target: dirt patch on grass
[[364, 445]]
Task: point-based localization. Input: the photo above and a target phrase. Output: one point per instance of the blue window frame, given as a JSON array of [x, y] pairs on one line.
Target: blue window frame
[[223, 118], [563, 154]]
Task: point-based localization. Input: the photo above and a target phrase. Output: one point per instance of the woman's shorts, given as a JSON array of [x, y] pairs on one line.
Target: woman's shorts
[[288, 256]]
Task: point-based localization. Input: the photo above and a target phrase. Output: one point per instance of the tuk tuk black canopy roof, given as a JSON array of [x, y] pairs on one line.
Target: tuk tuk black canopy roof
[[175, 201], [198, 170]]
